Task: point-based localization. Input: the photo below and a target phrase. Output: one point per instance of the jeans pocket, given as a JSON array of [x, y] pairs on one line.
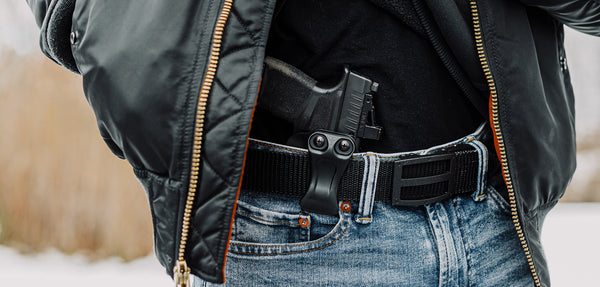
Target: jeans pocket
[[498, 200], [258, 231], [254, 224]]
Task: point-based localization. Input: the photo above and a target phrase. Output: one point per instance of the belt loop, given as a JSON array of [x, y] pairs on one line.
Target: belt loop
[[482, 154], [369, 186]]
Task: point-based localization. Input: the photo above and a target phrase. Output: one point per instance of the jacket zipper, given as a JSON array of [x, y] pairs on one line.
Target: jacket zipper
[[498, 139], [181, 271]]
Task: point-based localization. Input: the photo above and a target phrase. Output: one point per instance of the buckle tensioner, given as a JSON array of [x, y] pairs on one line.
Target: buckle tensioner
[[329, 154], [399, 181]]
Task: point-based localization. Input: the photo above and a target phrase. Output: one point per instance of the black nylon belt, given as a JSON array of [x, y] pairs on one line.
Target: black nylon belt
[[408, 180]]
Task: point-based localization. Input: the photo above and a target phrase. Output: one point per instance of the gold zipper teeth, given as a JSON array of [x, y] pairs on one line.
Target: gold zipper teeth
[[499, 139], [181, 270]]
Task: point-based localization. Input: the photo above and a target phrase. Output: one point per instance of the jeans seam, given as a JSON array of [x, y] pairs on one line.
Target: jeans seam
[[466, 241], [438, 249], [435, 246], [499, 201], [294, 245], [295, 252], [264, 220], [447, 248]]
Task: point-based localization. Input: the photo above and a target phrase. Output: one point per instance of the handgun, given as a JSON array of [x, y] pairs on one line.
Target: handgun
[[346, 107]]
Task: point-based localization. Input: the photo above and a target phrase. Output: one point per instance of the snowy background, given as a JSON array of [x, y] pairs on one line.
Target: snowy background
[[570, 236]]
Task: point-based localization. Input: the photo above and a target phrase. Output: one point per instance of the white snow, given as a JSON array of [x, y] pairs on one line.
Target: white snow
[[570, 237], [53, 269]]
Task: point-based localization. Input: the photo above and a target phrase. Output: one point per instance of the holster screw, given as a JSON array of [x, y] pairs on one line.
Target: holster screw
[[319, 141], [344, 145]]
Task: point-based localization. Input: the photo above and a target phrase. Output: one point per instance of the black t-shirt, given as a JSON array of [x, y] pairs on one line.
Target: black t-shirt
[[418, 103]]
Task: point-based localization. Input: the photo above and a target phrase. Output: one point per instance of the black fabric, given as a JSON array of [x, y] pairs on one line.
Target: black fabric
[[404, 11], [452, 23], [285, 173], [418, 103], [440, 36]]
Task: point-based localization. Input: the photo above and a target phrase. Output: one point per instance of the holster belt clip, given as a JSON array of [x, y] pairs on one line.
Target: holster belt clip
[[329, 154]]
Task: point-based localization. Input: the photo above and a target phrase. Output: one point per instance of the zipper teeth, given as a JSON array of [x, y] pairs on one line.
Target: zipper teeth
[[199, 123], [499, 139]]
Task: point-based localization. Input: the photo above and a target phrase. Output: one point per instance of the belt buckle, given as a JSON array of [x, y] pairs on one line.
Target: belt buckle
[[399, 182]]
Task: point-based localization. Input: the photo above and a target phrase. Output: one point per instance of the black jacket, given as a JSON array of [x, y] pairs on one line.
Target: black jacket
[[173, 85]]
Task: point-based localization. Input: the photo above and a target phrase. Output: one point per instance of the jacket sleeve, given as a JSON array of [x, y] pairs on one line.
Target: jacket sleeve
[[582, 15], [54, 19], [39, 8]]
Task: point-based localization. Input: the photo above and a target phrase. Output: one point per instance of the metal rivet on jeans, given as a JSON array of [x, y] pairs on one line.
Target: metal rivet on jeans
[[346, 206], [304, 222]]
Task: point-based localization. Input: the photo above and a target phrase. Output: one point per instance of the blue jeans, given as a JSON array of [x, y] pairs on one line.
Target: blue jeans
[[467, 240]]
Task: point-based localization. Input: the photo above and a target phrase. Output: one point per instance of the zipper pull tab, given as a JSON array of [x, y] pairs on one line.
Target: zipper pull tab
[[181, 274]]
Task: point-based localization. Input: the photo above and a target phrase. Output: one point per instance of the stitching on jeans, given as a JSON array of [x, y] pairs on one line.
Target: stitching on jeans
[[433, 239], [435, 245], [501, 205], [446, 245], [466, 239], [500, 202], [441, 241], [307, 243], [270, 221], [295, 252], [281, 245]]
